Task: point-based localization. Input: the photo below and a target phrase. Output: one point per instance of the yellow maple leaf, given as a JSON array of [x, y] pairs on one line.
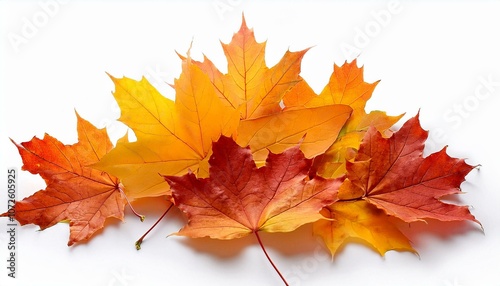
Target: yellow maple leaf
[[172, 137], [359, 221]]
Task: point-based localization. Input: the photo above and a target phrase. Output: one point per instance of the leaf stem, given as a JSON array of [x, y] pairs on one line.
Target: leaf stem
[[139, 241], [141, 217], [269, 258]]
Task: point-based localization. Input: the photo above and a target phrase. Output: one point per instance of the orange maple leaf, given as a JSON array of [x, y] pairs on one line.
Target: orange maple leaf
[[316, 128], [249, 84], [391, 175], [347, 87], [257, 92], [84, 196]]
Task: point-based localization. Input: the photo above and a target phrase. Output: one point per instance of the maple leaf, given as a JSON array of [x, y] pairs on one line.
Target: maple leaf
[[391, 174], [238, 198], [84, 196], [316, 129], [360, 221], [257, 91], [172, 137], [249, 84], [346, 86]]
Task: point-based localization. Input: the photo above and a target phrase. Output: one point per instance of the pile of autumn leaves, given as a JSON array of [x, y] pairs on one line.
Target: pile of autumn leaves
[[251, 150]]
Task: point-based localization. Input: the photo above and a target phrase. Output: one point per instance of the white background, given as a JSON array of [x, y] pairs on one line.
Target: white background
[[429, 56]]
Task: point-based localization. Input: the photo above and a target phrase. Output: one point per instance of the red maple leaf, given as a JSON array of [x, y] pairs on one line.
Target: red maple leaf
[[75, 192], [392, 175]]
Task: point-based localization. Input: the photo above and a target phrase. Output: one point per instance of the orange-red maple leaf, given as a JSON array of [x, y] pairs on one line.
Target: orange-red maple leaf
[[238, 198], [84, 196], [396, 178], [392, 175]]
